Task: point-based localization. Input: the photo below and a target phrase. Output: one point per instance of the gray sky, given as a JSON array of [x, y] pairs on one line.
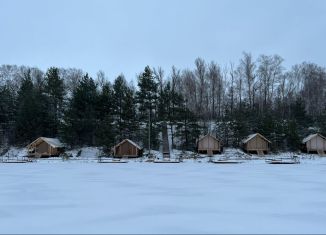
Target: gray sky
[[126, 35]]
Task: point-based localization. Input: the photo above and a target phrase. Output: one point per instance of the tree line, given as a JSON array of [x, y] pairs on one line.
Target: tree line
[[231, 101]]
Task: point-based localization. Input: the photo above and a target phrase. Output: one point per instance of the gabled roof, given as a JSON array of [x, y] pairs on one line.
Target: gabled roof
[[309, 137], [208, 135], [131, 142], [250, 137], [54, 142]]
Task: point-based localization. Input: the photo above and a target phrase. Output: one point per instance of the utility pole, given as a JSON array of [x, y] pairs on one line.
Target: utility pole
[[149, 132]]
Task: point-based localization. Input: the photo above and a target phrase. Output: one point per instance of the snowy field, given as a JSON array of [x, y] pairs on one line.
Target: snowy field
[[77, 197]]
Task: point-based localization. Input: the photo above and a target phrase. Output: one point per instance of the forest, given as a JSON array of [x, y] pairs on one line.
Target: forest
[[230, 101]]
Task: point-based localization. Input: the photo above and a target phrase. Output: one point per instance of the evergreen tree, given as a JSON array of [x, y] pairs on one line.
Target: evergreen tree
[[224, 130], [124, 109], [283, 106], [187, 129], [129, 115], [292, 136], [298, 113], [147, 100], [80, 122], [31, 119], [7, 104], [119, 96], [164, 110], [105, 131], [163, 100], [239, 126], [54, 89], [174, 103], [321, 121]]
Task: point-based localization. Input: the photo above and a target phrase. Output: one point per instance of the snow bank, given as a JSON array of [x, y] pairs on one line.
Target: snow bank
[[86, 152], [16, 152]]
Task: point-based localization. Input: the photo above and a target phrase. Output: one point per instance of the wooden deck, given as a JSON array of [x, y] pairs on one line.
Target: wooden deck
[[285, 161], [226, 162], [282, 162], [166, 161], [15, 159], [111, 160]]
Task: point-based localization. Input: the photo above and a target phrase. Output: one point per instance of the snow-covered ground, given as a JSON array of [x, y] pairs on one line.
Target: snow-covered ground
[[140, 197], [16, 152], [85, 153]]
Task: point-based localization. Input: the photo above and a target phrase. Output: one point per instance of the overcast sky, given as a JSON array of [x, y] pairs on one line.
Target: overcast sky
[[126, 35]]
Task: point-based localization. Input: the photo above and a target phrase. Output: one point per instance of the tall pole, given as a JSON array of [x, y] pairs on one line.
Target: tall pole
[[149, 132]]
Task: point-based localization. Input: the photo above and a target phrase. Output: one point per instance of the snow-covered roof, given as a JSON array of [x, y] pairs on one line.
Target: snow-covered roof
[[54, 142], [131, 142], [309, 137], [208, 135], [253, 136]]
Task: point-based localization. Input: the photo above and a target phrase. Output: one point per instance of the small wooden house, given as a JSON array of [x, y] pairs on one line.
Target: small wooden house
[[315, 143], [209, 145], [256, 143], [45, 147], [127, 148]]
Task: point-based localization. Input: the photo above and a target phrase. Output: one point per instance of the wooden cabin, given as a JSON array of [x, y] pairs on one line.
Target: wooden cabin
[[256, 143], [45, 147], [209, 145], [127, 148], [315, 143]]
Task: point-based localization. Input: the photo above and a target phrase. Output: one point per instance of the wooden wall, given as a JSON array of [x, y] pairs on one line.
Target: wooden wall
[[257, 143], [126, 149], [44, 149], [209, 144], [316, 143]]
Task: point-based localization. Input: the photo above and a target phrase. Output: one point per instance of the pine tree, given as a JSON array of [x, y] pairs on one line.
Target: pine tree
[[187, 129], [165, 103], [163, 100], [129, 115], [124, 109], [292, 136], [224, 130], [80, 122], [105, 131], [54, 89], [174, 103], [7, 104], [119, 95], [31, 118], [298, 113], [322, 123], [147, 101]]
